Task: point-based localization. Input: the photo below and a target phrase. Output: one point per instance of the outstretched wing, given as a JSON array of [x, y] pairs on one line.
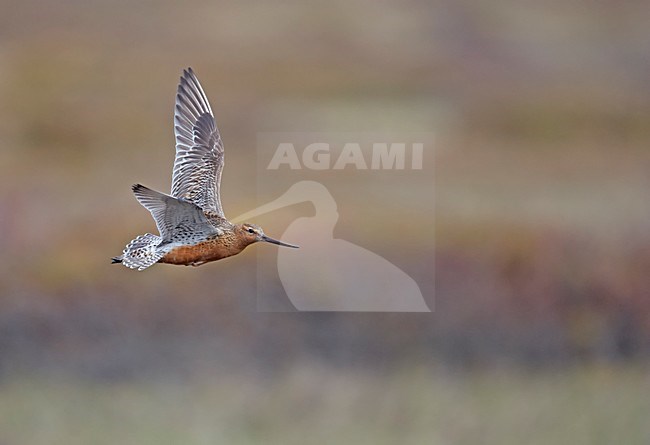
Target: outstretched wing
[[199, 150], [176, 220]]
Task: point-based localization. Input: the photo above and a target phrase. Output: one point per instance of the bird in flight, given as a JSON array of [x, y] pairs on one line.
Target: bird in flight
[[193, 228]]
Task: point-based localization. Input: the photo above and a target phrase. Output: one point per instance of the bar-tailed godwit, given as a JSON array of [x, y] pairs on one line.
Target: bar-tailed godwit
[[193, 228]]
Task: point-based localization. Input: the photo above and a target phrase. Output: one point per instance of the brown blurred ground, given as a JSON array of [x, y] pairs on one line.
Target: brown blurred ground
[[542, 227]]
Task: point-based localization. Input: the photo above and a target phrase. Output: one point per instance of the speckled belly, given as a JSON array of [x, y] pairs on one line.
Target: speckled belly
[[198, 254]]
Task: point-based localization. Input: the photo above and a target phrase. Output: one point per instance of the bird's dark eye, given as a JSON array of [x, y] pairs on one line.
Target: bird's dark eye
[[251, 231]]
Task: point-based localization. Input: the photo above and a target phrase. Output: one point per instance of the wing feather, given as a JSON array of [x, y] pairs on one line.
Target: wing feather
[[175, 219], [199, 150]]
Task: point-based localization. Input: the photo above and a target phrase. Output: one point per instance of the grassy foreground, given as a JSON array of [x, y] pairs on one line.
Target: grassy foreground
[[312, 404]]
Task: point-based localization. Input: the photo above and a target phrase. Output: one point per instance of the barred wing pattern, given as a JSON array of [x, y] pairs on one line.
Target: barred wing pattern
[[176, 220], [199, 149]]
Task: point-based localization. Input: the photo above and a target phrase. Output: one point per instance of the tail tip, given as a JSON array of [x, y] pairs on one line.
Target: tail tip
[[116, 260]]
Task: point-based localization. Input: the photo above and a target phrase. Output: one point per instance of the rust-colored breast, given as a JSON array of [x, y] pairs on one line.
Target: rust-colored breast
[[204, 252]]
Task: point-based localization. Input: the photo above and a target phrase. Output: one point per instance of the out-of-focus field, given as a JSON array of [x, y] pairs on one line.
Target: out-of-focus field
[[585, 406], [541, 237]]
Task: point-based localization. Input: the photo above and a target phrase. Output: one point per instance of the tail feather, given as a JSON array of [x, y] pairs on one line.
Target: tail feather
[[141, 253]]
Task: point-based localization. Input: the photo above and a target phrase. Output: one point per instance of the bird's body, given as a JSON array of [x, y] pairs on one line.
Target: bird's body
[[193, 228], [210, 249]]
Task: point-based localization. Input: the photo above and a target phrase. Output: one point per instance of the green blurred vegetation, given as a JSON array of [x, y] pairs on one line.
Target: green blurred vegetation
[[412, 406]]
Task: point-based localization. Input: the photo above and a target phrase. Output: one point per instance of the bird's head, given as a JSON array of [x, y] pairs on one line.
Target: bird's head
[[253, 233]]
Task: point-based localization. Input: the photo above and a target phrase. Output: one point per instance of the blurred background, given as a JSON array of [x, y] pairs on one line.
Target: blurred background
[[541, 329]]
